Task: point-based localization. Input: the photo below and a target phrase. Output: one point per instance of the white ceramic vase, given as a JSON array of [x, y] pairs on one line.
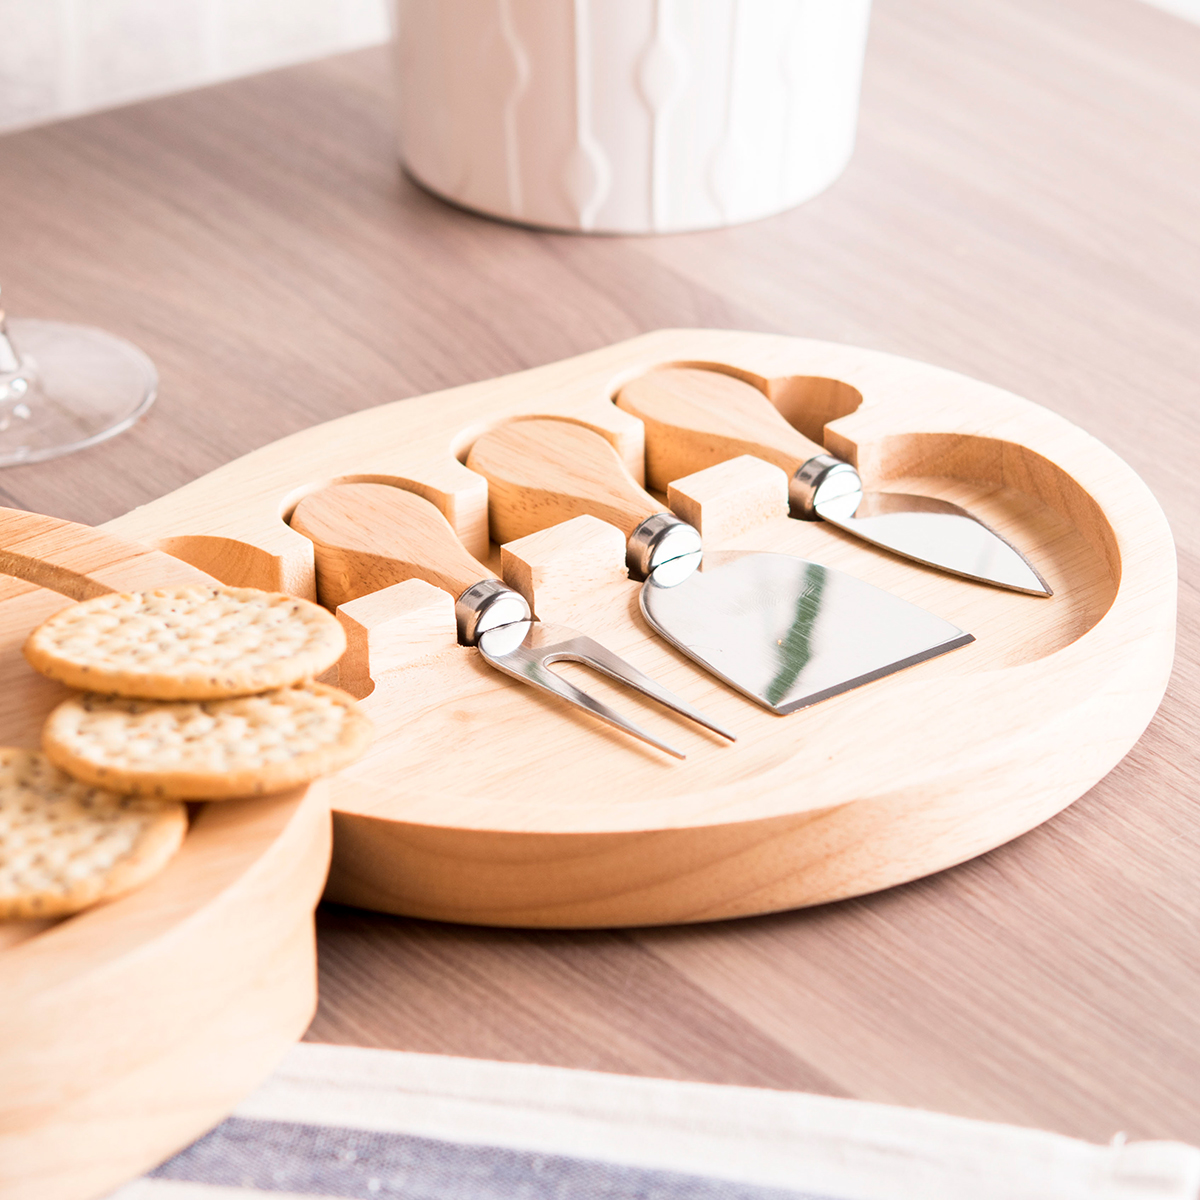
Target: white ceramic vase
[[628, 116]]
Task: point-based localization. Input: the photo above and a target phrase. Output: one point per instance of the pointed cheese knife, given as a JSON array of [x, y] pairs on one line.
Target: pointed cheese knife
[[695, 418], [367, 536], [784, 631]]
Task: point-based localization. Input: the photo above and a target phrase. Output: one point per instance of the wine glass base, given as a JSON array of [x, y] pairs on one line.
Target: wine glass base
[[83, 385]]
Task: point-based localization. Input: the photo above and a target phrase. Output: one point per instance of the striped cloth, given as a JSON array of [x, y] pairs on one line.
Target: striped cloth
[[347, 1122]]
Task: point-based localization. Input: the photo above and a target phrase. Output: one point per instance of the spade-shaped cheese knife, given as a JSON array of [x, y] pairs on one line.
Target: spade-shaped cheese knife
[[784, 631], [369, 535], [695, 418]]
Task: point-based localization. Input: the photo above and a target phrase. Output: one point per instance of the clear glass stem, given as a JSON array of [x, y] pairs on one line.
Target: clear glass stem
[[9, 362]]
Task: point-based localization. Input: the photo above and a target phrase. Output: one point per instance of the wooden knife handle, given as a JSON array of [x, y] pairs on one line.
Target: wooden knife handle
[[541, 472], [696, 418], [368, 536]]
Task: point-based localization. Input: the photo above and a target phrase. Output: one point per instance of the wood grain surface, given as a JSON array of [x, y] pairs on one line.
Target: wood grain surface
[[541, 473], [368, 536], [1022, 206], [698, 418]]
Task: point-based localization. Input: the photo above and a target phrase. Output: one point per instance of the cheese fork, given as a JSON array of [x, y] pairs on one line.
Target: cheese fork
[[367, 536]]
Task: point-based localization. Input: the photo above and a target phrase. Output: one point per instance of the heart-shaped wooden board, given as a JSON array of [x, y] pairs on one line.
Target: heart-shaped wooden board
[[483, 801], [128, 1030]]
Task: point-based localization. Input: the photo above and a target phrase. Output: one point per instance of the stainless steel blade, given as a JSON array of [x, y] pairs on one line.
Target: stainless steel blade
[[787, 632], [934, 532]]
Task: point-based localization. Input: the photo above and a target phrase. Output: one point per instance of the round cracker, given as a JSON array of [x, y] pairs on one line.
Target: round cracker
[[186, 643], [207, 749], [65, 845]]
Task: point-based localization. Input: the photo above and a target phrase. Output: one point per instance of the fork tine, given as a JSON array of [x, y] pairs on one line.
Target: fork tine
[[530, 667], [583, 649], [526, 649]]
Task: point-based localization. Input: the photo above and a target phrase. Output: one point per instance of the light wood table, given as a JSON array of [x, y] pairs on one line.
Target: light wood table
[[1023, 206]]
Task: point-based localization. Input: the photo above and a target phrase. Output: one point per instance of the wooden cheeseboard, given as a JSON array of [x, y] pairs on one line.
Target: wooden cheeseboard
[[482, 802], [128, 1030]]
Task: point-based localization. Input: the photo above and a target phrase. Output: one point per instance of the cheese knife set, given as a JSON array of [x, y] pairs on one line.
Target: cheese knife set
[[785, 631]]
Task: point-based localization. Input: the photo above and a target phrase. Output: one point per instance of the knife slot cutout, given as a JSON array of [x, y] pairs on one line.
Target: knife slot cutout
[[991, 465]]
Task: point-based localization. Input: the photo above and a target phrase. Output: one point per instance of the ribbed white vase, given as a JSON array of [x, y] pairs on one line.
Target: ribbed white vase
[[628, 116]]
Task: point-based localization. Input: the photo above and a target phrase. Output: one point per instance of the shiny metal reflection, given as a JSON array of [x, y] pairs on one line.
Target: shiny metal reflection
[[527, 649], [936, 533], [789, 633], [676, 570]]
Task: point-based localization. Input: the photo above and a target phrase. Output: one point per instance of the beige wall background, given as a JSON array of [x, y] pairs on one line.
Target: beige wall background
[[59, 58]]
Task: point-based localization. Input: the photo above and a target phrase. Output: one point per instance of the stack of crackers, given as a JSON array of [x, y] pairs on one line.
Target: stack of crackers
[[188, 693]]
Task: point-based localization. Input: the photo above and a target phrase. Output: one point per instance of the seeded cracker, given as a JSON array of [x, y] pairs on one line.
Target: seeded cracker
[[186, 643], [207, 750], [65, 845]]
